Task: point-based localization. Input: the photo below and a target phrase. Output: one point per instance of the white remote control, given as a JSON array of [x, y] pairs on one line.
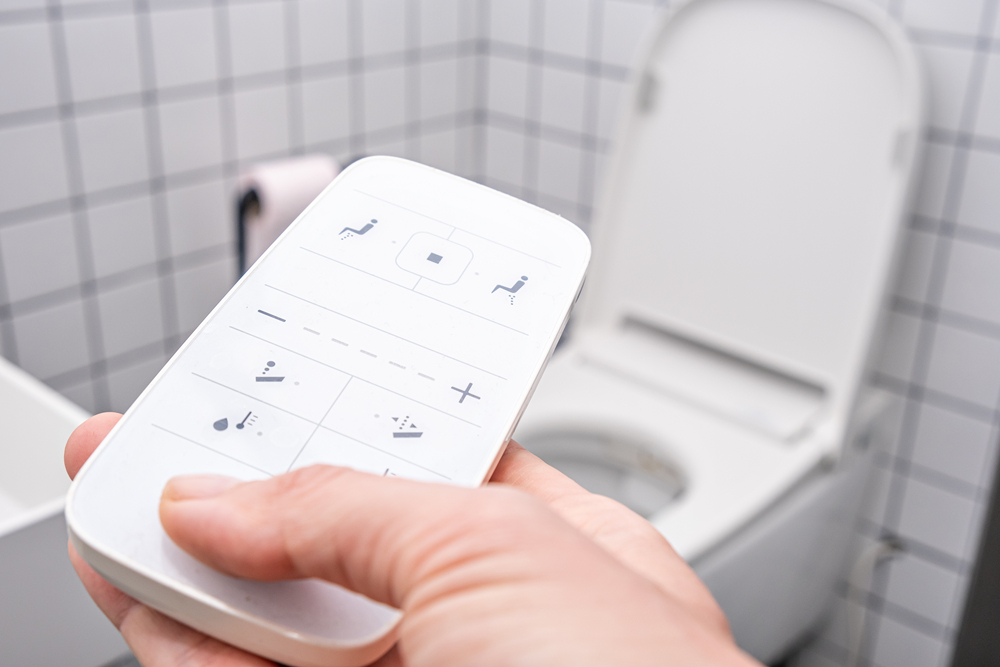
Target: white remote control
[[398, 327]]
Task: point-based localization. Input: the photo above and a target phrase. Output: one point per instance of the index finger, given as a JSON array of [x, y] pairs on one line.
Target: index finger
[[85, 439]]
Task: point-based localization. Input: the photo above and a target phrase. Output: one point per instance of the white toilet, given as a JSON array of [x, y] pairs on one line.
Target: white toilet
[[746, 238]]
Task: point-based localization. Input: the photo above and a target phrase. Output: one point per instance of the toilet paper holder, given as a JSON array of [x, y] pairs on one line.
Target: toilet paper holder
[[270, 195]]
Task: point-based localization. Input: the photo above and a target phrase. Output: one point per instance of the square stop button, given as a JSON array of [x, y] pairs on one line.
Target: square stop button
[[434, 258]]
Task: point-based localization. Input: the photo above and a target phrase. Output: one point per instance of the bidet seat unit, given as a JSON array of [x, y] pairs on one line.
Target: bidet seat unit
[[744, 245]]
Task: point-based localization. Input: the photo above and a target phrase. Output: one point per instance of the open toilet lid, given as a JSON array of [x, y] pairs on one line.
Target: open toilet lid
[[760, 176]]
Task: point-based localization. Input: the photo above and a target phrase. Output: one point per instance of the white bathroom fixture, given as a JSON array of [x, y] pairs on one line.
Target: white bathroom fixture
[[744, 244], [46, 616]]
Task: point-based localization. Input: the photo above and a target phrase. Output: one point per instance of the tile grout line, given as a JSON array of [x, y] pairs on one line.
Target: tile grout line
[[73, 166], [169, 306]]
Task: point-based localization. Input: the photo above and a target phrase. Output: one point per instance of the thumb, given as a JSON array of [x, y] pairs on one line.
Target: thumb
[[378, 536]]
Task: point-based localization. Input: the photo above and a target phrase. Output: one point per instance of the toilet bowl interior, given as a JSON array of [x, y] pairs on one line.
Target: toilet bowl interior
[[625, 469]]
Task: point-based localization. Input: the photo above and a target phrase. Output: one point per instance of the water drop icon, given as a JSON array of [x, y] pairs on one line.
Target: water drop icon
[[221, 425]]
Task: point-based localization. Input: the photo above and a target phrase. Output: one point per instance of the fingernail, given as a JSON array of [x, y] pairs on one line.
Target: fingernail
[[197, 487]]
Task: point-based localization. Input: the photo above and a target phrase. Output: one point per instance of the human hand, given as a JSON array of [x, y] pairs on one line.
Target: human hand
[[530, 569]]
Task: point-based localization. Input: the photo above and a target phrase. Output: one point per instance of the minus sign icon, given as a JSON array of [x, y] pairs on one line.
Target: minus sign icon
[[264, 312]]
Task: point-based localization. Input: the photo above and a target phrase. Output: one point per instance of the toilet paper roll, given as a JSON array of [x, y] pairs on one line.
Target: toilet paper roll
[[272, 194]]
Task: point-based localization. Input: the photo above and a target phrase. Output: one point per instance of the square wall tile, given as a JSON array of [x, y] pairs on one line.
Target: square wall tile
[[121, 236], [937, 518], [566, 27], [963, 17], [625, 26], [200, 289], [385, 99], [965, 365], [27, 76], [980, 194], [510, 21], [201, 216], [915, 272], [973, 282], [899, 344], [184, 49], [190, 134], [952, 444], [261, 122], [257, 37], [113, 149], [438, 150], [898, 645], [439, 22], [505, 156], [508, 87], [103, 56], [326, 109], [947, 69], [383, 27], [52, 341], [323, 31], [562, 99], [934, 178], [125, 385], [131, 317], [438, 89], [32, 165], [559, 170], [39, 257]]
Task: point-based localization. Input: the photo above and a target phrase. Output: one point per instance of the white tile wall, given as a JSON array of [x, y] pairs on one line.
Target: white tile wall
[[118, 157], [122, 236], [103, 56], [191, 134], [40, 257], [326, 108], [131, 317], [183, 43], [33, 168], [257, 38], [124, 124], [323, 32], [261, 122], [27, 75], [113, 149], [200, 215]]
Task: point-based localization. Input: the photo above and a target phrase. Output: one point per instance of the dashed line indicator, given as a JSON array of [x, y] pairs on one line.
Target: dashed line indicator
[[264, 312], [339, 341], [374, 356], [312, 331], [426, 376], [393, 363]]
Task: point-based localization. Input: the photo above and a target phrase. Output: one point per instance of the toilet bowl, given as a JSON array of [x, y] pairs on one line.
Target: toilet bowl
[[744, 244]]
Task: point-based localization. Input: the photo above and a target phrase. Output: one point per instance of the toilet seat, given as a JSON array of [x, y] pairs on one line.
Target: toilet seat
[[743, 247], [729, 473]]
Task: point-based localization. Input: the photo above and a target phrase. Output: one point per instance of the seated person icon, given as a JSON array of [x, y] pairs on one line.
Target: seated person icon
[[513, 289]]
